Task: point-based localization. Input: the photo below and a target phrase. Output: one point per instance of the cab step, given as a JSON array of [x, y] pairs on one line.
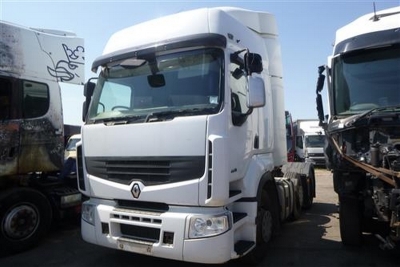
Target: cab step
[[242, 246]]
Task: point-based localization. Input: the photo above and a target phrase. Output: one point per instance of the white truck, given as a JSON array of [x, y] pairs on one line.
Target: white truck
[[310, 141], [183, 153], [32, 62], [363, 126]]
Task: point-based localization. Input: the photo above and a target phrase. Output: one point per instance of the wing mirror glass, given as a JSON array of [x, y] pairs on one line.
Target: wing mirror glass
[[256, 92]]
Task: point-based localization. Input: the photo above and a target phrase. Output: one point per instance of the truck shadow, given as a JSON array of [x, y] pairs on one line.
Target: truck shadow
[[312, 240]]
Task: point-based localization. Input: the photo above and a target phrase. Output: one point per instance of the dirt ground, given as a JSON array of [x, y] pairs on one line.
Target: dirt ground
[[313, 240]]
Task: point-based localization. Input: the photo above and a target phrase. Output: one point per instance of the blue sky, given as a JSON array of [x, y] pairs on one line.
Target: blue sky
[[306, 29]]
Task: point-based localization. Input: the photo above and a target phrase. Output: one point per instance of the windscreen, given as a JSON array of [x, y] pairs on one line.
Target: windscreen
[[366, 79], [184, 83], [314, 140]]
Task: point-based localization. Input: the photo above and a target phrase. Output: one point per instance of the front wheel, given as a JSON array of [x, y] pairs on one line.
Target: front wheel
[[350, 218], [268, 224], [25, 216]]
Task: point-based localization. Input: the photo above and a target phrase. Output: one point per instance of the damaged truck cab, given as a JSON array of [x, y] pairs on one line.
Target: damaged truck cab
[[33, 62], [363, 126]]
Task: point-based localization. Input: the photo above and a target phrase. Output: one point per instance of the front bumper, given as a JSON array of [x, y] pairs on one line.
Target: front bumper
[[164, 235], [318, 161]]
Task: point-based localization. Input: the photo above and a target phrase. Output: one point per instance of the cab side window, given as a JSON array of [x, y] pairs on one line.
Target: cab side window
[[35, 101], [5, 99]]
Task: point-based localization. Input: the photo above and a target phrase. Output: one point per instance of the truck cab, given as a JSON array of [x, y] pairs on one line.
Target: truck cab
[[362, 126], [184, 139], [310, 141]]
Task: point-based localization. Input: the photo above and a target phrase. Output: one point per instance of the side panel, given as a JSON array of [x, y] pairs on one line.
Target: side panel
[[9, 143], [37, 54]]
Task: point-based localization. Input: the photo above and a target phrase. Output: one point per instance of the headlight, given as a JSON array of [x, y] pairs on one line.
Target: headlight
[[88, 213], [203, 226]]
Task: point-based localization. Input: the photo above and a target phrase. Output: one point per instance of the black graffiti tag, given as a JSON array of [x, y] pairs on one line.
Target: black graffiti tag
[[65, 70]]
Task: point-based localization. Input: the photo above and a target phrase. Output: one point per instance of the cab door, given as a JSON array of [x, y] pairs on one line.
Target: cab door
[[41, 131]]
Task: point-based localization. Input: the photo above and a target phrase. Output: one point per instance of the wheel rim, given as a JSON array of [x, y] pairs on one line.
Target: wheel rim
[[266, 226], [21, 222]]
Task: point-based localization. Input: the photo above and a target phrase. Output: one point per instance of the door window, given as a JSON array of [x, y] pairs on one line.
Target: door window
[[35, 101]]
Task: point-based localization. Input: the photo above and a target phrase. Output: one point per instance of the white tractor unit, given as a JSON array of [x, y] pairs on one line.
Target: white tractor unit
[[183, 153]]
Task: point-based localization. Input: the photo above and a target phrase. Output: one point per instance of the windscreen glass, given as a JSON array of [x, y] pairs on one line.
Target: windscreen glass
[[176, 84], [366, 79], [314, 140]]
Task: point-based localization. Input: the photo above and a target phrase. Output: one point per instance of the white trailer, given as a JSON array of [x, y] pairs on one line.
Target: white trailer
[[32, 63], [310, 141], [184, 139], [363, 78]]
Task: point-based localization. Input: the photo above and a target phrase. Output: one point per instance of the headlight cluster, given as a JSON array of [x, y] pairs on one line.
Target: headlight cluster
[[205, 226], [88, 213]]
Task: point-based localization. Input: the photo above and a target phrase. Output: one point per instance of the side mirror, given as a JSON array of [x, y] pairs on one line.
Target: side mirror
[[320, 108], [253, 63], [321, 79], [84, 111], [320, 86], [255, 92], [88, 90]]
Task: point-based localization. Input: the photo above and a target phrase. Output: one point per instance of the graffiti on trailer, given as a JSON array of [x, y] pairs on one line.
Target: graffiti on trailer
[[65, 69]]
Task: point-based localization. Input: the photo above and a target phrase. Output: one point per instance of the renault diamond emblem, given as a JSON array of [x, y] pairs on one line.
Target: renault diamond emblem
[[136, 190]]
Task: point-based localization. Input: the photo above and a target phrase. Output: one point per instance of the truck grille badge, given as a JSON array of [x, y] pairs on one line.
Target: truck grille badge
[[135, 190]]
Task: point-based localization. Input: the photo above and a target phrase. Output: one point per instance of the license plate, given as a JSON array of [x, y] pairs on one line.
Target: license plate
[[137, 247]]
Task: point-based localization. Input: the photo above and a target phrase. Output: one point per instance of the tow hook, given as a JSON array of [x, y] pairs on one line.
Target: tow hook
[[386, 244]]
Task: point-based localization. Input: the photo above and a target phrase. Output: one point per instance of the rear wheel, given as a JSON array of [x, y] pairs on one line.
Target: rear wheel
[[25, 216], [350, 218], [298, 196], [308, 183]]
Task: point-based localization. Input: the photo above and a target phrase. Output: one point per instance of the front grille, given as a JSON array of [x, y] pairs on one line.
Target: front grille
[[148, 170], [315, 154], [143, 206], [140, 233]]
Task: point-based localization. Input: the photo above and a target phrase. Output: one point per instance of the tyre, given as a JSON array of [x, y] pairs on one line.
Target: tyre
[[268, 225], [350, 218], [25, 216], [297, 205], [308, 183]]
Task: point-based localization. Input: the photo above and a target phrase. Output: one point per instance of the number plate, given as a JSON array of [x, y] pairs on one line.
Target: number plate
[[142, 248]]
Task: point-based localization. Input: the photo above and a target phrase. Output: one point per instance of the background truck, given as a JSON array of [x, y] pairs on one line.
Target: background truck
[[32, 63], [363, 126], [310, 141], [183, 153]]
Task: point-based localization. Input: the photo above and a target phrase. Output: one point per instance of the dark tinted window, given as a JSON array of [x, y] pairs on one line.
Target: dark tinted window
[[35, 101], [5, 99]]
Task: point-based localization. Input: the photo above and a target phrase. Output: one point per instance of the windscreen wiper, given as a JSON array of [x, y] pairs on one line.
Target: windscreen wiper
[[171, 114], [120, 120]]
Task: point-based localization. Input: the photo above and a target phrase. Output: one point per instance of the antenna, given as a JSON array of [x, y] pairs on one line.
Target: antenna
[[375, 17]]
